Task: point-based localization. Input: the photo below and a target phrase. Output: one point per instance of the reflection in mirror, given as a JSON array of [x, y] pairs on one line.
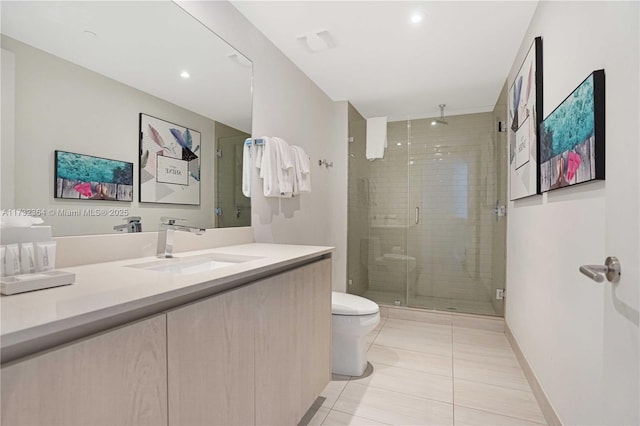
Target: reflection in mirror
[[77, 75]]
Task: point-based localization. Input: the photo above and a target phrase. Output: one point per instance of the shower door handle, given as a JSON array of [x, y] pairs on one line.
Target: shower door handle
[[417, 215]]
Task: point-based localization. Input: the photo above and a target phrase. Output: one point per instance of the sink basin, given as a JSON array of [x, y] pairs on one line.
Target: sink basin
[[194, 264]]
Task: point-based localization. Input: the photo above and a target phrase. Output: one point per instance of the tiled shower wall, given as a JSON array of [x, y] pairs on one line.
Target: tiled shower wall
[[449, 173]]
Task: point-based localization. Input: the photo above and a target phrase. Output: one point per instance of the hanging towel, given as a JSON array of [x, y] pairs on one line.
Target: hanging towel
[[247, 167], [268, 166], [302, 181], [376, 137], [284, 168]]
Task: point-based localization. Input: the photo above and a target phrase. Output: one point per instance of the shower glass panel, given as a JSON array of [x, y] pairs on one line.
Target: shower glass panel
[[423, 231], [453, 182]]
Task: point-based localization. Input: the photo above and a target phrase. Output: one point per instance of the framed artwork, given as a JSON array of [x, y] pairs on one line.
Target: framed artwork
[[84, 177], [524, 119], [572, 146], [169, 162]]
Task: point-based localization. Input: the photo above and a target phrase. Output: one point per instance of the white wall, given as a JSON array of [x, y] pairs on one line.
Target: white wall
[[71, 108], [560, 319], [287, 104], [7, 148]]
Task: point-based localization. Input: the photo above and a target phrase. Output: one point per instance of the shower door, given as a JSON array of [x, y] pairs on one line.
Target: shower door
[[455, 245]]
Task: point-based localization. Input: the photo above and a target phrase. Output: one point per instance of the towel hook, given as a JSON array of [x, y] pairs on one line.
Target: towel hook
[[325, 163]]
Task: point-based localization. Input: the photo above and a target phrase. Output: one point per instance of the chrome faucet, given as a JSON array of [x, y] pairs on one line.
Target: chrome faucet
[[167, 227]]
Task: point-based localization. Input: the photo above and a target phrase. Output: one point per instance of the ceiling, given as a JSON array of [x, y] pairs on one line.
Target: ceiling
[[459, 55], [145, 45]]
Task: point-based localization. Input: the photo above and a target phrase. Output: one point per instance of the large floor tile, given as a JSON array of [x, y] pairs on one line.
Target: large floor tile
[[392, 407], [479, 323], [464, 416], [430, 338], [426, 328], [420, 315], [484, 346], [314, 417], [505, 374], [333, 390], [497, 399], [420, 361], [338, 418], [410, 382]]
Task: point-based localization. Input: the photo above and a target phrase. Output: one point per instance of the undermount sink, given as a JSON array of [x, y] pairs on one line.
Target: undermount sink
[[194, 264]]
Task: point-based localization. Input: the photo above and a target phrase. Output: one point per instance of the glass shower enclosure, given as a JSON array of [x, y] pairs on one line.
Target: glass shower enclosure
[[425, 225]]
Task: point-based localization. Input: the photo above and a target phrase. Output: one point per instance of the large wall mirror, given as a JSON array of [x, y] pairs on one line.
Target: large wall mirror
[[76, 75]]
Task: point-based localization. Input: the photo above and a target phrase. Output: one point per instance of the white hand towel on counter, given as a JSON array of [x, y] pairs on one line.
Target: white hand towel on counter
[[376, 137], [302, 170], [247, 167]]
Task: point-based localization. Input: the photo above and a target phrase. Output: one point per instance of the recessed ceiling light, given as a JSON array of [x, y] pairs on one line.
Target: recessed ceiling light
[[416, 18], [185, 74]]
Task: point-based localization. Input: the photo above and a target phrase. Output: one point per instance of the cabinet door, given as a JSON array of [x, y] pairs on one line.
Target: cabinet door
[[114, 378], [293, 342], [210, 351], [314, 318]]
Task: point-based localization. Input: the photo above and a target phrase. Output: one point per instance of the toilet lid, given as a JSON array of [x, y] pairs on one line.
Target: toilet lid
[[350, 304]]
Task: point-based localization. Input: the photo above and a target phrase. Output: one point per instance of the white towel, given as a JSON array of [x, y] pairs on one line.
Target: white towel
[[268, 166], [247, 167], [302, 181], [284, 168], [376, 137]]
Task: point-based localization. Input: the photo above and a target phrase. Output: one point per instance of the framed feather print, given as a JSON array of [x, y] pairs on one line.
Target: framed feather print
[[169, 162], [525, 117]]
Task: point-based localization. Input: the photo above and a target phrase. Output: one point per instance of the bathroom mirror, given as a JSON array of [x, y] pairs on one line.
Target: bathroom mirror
[[77, 75]]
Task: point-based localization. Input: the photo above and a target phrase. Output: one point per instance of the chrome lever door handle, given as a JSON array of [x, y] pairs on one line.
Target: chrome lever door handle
[[610, 269]]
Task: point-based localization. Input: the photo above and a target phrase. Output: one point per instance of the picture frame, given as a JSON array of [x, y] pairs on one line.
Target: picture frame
[[572, 148], [524, 119], [86, 177], [169, 167]]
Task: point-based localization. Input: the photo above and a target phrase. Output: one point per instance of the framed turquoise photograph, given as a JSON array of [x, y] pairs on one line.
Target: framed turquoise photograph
[[85, 177], [572, 149]]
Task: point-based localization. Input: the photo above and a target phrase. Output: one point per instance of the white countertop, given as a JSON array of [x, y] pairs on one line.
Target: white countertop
[[107, 293]]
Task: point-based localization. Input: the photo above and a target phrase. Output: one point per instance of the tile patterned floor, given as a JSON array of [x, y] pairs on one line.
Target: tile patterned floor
[[441, 370]]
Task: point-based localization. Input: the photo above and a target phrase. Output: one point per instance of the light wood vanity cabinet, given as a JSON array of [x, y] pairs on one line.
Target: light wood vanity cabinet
[[257, 354], [260, 354], [210, 352], [114, 378], [293, 343]]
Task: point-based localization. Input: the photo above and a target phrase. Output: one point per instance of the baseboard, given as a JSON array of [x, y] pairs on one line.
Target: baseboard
[[547, 409]]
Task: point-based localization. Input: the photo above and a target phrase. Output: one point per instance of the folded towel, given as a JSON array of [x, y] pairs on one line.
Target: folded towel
[[376, 137], [247, 167]]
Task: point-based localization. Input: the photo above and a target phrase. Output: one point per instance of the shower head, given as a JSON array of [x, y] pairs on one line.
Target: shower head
[[440, 120]]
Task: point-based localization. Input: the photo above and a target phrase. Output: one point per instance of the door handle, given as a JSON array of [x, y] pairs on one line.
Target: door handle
[[610, 269]]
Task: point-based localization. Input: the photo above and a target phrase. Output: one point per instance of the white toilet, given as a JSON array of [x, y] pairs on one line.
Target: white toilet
[[353, 317]]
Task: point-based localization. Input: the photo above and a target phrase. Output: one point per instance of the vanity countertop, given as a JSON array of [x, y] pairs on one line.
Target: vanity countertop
[[105, 295]]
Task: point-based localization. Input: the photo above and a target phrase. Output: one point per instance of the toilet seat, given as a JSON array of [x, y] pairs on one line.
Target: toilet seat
[[352, 305]]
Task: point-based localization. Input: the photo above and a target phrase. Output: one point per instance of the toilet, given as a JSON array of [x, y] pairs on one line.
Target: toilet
[[352, 318]]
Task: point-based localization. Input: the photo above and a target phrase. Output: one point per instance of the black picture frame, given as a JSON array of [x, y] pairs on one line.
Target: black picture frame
[[87, 177], [169, 162], [524, 118], [572, 149]]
